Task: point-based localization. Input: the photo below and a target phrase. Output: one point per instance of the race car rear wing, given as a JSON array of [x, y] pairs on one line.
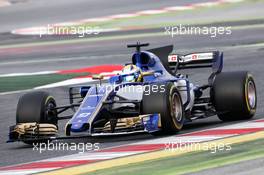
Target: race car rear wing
[[196, 60], [174, 62], [213, 59]]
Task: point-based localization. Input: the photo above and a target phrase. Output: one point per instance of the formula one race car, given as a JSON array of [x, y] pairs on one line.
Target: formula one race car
[[148, 95]]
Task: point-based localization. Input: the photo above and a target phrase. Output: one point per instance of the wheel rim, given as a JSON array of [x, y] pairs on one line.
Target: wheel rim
[[251, 94], [50, 112], [176, 107]]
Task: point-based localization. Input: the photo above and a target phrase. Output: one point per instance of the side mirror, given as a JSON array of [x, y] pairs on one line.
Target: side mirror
[[97, 77], [147, 73]]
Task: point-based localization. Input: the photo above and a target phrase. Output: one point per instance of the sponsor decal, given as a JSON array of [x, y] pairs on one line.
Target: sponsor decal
[[190, 57], [83, 115], [173, 58]]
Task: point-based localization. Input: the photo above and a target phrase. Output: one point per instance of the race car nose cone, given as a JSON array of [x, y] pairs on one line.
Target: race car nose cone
[[79, 127]]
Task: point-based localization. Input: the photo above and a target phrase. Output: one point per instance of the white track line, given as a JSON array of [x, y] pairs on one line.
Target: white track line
[[28, 74], [245, 125], [66, 83], [184, 139], [93, 156]]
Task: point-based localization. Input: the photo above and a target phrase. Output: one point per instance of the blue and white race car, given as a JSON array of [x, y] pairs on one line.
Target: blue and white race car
[[149, 95]]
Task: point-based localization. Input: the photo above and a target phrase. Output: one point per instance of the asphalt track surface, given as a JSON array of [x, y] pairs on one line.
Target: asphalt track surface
[[47, 11], [243, 50]]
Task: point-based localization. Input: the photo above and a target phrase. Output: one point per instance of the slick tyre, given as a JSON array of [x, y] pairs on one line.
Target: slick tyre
[[36, 107], [168, 103], [234, 96]]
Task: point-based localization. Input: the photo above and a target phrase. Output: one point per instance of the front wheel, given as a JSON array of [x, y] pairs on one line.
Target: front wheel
[[166, 102], [36, 107], [234, 96]]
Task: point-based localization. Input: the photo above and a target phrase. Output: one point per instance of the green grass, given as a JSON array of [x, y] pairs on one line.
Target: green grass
[[190, 162], [29, 82]]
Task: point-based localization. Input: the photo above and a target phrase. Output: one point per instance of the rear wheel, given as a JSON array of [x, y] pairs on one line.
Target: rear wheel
[[36, 107], [234, 96], [166, 102]]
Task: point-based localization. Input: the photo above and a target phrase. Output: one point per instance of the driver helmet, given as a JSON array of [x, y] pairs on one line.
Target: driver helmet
[[131, 73]]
